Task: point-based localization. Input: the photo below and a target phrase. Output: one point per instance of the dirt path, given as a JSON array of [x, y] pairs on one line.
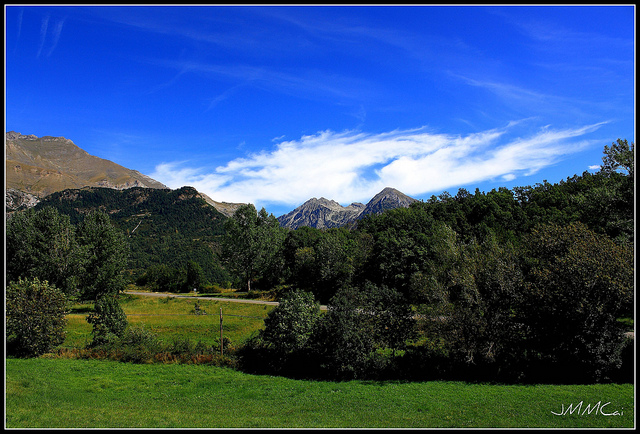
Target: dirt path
[[233, 300]]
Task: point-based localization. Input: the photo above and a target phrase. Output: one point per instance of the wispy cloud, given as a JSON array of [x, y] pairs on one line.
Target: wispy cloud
[[43, 34], [224, 95], [18, 28], [353, 166], [55, 37], [306, 83]]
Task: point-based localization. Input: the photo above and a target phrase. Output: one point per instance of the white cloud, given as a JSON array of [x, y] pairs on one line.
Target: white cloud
[[353, 166]]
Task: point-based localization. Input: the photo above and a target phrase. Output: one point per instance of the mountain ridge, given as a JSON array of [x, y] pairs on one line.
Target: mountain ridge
[[324, 213], [40, 166], [36, 167]]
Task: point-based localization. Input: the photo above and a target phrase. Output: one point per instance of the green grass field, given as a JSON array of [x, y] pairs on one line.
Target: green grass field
[[55, 392], [70, 393], [172, 317]]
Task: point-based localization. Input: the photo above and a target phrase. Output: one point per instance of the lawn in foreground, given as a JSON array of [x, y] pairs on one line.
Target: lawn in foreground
[[69, 393]]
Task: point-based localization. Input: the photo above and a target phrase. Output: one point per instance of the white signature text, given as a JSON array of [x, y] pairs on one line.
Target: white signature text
[[598, 408]]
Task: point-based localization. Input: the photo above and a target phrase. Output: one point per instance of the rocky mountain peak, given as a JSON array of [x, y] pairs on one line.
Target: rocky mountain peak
[[388, 198], [325, 213], [12, 135], [320, 213]]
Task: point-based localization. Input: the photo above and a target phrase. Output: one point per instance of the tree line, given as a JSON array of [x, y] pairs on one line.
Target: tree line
[[51, 262], [526, 284]]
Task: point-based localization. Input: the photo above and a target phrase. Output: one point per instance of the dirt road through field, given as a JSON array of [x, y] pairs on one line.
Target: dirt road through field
[[233, 300]]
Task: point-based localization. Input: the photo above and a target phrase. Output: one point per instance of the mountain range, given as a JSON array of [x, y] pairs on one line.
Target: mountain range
[[36, 167], [324, 213]]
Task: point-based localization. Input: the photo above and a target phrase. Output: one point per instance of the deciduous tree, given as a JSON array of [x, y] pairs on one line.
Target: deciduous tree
[[619, 156], [578, 284], [251, 242], [105, 252], [288, 327], [43, 244], [35, 317]]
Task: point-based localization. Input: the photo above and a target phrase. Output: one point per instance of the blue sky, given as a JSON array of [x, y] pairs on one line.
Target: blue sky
[[274, 105]]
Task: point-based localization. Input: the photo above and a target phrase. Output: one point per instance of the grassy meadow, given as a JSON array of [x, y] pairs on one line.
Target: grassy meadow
[[172, 317], [57, 392], [49, 392]]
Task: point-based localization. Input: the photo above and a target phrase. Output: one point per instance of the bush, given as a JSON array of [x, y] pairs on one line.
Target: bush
[[35, 317], [579, 283], [137, 344], [289, 326], [108, 319], [359, 322]]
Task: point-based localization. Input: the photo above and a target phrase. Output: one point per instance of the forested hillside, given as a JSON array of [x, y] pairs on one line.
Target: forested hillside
[[164, 227]]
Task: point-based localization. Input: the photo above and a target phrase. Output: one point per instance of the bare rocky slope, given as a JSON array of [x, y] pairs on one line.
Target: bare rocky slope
[[323, 213], [36, 167], [39, 166]]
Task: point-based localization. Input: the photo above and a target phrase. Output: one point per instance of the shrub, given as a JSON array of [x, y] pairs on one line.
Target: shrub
[[137, 344], [35, 317], [108, 320], [579, 283], [289, 326], [359, 322]]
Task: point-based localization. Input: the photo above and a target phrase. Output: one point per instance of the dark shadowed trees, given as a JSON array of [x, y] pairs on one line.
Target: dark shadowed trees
[[578, 284]]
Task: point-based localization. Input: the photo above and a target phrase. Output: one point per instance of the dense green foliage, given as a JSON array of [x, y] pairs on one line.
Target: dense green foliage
[[359, 323], [169, 227], [524, 285], [289, 326], [35, 317], [108, 320], [250, 244], [163, 278], [578, 283], [103, 257], [85, 261], [42, 244]]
